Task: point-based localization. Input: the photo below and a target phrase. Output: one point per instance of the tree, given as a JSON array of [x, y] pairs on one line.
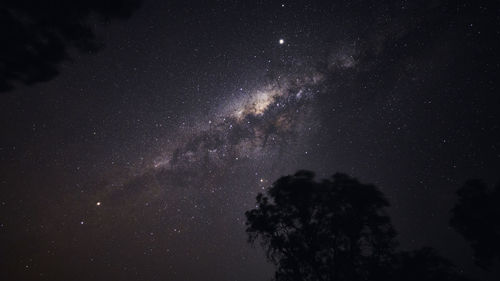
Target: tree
[[37, 35], [330, 230], [476, 217]]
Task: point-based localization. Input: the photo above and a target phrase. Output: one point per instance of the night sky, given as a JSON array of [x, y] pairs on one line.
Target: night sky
[[138, 161]]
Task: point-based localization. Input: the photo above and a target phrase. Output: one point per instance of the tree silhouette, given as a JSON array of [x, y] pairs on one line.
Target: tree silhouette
[[476, 216], [336, 229], [36, 35], [331, 230]]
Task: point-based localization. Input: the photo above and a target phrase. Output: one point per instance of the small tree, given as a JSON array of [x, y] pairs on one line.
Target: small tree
[[335, 229]]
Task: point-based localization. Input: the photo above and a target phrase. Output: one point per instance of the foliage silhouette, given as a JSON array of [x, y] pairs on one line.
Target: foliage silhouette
[[476, 216], [331, 230], [37, 34], [336, 229]]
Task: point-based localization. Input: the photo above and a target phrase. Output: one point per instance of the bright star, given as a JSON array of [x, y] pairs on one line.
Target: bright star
[[282, 41]]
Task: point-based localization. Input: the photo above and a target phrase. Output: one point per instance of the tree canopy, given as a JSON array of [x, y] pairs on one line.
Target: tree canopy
[[329, 230], [37, 35]]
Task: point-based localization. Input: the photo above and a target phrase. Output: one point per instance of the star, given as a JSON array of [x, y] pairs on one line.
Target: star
[[282, 41]]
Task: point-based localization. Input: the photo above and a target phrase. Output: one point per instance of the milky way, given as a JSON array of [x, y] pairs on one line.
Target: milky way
[[253, 131]]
